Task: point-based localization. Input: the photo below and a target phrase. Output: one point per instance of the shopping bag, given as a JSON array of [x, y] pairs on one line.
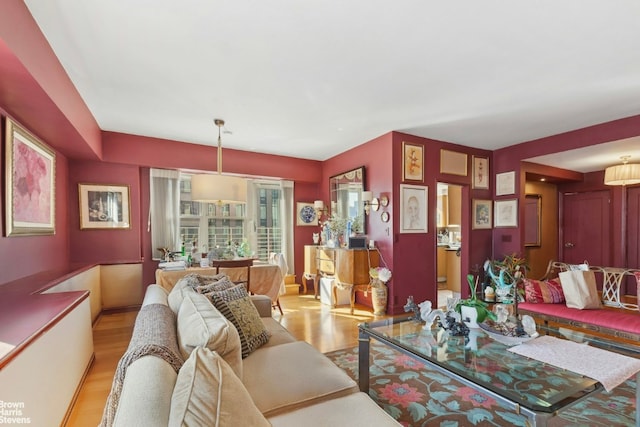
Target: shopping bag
[[580, 289]]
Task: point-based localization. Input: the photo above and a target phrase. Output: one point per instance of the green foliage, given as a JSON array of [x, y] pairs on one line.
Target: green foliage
[[473, 301]]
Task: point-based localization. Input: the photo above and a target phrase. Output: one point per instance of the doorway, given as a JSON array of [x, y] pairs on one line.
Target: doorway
[[449, 238]]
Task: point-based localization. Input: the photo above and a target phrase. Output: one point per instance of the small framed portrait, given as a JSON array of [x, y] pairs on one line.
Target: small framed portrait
[[506, 213], [30, 183], [413, 208], [480, 172], [453, 162], [306, 214], [481, 213], [505, 183], [104, 206], [412, 162]]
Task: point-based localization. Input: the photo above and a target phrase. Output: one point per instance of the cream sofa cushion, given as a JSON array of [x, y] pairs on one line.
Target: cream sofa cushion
[[354, 410], [288, 376], [279, 335], [208, 393], [186, 284], [200, 324], [146, 393]]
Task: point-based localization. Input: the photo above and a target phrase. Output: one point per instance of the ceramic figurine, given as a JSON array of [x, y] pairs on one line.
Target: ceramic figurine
[[412, 306]]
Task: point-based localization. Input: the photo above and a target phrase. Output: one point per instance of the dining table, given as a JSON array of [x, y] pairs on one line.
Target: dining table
[[265, 279]]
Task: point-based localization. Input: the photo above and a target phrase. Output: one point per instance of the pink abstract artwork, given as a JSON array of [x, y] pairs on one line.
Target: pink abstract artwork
[[32, 192]]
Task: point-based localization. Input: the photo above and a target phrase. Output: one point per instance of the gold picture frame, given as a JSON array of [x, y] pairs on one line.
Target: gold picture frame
[[481, 214], [30, 170], [532, 217], [104, 206], [412, 162], [413, 208], [306, 214], [453, 162], [480, 172]]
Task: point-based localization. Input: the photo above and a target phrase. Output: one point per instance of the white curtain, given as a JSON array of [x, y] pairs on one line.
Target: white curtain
[[164, 211], [251, 228], [286, 213]]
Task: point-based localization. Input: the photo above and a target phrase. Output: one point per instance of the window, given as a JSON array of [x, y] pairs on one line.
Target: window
[[209, 225]]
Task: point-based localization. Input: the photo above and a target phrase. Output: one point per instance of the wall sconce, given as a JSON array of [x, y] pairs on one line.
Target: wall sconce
[[367, 198], [624, 174], [318, 205]]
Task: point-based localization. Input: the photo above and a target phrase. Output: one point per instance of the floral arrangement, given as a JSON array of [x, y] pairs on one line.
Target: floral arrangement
[[506, 271], [336, 224], [379, 276]]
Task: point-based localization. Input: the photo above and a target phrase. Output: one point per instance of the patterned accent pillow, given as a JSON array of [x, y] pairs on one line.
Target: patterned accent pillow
[[543, 291], [191, 280], [219, 282], [236, 305]]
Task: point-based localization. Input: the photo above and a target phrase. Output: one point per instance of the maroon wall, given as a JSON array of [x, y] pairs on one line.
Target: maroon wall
[[509, 240], [105, 246], [414, 255], [26, 255], [375, 156]]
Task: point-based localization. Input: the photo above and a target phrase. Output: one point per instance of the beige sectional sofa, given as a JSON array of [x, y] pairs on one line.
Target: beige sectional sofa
[[284, 382]]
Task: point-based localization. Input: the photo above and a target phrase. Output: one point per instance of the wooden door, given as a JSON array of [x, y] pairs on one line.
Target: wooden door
[[586, 228]]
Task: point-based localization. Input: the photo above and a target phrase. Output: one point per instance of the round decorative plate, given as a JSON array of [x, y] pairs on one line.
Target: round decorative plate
[[385, 216], [307, 214]]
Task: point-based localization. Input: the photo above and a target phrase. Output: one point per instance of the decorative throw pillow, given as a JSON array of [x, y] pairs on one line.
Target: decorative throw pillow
[[208, 393], [539, 291], [236, 305], [200, 324], [186, 283], [219, 282]]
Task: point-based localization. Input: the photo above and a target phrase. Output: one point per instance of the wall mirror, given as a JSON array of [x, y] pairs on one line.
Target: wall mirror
[[345, 191], [532, 210]]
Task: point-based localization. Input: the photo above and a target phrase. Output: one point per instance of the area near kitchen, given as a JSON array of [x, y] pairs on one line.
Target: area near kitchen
[[449, 202]]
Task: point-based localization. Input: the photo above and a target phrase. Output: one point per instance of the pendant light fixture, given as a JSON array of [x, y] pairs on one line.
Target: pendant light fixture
[[624, 174], [218, 188]]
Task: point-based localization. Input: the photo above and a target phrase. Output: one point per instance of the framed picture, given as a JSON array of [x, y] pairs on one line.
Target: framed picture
[[30, 183], [481, 212], [306, 214], [413, 208], [480, 172], [412, 162], [505, 183], [506, 213], [104, 206], [453, 163], [532, 213]]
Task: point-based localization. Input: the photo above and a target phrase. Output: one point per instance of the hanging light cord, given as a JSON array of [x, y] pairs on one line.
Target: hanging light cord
[[219, 123]]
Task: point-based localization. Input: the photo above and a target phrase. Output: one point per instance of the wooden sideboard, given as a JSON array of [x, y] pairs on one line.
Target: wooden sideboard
[[348, 267]]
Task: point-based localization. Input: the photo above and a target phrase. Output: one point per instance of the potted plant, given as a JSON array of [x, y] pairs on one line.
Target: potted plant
[[506, 274], [472, 308], [335, 227]]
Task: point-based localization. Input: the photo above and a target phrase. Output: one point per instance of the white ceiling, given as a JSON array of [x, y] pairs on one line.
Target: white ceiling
[[311, 79]]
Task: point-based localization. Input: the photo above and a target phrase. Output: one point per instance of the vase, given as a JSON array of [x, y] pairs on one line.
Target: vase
[[379, 299], [469, 316]]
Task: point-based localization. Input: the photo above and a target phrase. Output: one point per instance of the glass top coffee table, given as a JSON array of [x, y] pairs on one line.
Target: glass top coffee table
[[534, 389]]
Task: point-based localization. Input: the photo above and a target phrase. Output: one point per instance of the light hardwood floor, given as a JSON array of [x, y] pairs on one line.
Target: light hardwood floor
[[306, 318]]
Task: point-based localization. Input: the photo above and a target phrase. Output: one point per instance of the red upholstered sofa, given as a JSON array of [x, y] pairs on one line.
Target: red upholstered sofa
[[614, 318]]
